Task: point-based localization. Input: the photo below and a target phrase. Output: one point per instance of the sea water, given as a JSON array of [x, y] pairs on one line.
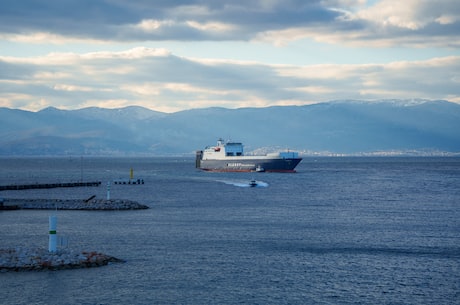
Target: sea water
[[339, 231]]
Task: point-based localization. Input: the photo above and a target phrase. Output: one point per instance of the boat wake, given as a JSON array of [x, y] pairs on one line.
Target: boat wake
[[241, 183]]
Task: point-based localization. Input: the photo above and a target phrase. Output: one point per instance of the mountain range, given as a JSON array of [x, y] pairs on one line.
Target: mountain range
[[336, 127]]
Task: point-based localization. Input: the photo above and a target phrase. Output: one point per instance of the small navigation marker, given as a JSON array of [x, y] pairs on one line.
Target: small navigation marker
[[52, 244], [131, 179]]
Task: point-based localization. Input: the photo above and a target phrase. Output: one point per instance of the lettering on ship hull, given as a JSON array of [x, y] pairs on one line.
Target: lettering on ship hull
[[236, 164]]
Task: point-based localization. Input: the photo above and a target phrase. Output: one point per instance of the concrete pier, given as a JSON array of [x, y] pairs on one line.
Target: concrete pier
[[47, 185], [74, 204]]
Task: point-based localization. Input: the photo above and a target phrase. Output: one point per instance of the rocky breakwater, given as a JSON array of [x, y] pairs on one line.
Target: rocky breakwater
[[22, 259], [71, 204]]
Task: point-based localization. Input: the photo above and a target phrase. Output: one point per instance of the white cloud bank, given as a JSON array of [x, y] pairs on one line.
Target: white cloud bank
[[159, 80]]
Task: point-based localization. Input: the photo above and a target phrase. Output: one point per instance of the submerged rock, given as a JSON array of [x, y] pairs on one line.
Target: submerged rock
[[21, 259]]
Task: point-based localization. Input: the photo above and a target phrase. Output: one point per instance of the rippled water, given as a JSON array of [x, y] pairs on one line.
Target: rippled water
[[339, 231]]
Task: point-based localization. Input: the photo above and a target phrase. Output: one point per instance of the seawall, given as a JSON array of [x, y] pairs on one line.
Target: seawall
[[15, 187], [23, 259], [74, 204]]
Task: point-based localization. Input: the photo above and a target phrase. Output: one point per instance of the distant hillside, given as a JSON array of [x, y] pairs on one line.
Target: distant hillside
[[347, 127]]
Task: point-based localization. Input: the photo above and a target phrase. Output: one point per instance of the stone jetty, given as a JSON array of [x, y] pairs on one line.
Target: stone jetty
[[74, 204], [47, 185], [23, 259]]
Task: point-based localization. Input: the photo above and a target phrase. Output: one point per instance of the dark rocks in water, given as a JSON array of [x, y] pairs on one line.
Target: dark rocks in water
[[8, 207]]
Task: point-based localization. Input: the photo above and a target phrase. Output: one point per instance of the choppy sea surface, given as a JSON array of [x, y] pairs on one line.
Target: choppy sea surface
[[339, 231]]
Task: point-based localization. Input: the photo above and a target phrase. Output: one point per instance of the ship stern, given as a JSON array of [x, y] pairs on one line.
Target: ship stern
[[198, 158]]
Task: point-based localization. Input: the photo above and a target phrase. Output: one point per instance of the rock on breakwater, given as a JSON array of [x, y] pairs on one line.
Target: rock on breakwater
[[72, 204], [23, 259]]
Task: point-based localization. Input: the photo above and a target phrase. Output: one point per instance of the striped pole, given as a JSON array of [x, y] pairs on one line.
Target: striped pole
[[52, 245]]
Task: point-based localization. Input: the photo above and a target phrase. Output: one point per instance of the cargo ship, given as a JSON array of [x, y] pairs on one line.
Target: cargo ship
[[229, 157]]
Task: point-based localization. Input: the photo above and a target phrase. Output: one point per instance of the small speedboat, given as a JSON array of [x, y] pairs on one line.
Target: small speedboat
[[252, 183]]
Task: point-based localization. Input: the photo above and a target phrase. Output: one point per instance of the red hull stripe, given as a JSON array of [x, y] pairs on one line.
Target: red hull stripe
[[245, 171]]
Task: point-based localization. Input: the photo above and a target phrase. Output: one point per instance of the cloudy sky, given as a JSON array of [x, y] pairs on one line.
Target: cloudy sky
[[171, 55]]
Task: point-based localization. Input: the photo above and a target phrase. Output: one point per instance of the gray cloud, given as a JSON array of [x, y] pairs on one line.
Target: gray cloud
[[388, 22]]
